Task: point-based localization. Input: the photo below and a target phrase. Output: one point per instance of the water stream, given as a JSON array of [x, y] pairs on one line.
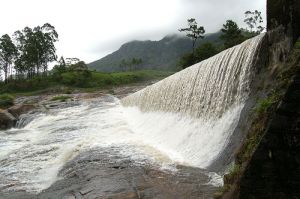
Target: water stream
[[185, 119]]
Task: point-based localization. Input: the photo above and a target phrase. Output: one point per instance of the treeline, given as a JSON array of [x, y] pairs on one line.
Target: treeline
[[131, 64], [27, 53], [231, 35]]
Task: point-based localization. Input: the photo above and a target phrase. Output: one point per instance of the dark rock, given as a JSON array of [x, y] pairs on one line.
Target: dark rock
[[7, 120], [274, 170], [285, 13], [97, 177], [20, 109]]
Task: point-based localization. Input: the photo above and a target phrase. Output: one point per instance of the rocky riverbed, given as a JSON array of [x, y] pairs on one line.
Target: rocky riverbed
[[64, 149]]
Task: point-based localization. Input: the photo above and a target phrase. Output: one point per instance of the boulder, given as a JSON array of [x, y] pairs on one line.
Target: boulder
[[20, 109], [7, 120]]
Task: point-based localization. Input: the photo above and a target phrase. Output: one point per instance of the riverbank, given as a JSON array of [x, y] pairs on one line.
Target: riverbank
[[43, 100], [76, 82]]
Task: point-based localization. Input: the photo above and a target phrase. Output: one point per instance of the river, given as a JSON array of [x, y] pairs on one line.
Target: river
[[98, 149]]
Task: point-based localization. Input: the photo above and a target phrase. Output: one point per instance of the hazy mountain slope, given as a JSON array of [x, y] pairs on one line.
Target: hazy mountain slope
[[162, 54]]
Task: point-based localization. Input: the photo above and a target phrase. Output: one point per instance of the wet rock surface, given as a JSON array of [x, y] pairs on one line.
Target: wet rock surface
[[104, 172], [20, 109], [7, 120], [99, 173]]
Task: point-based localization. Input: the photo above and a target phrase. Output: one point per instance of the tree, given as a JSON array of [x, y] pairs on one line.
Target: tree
[[254, 21], [36, 47], [193, 31], [48, 37], [187, 60], [79, 66], [8, 52], [205, 51], [232, 34], [123, 65], [136, 62]]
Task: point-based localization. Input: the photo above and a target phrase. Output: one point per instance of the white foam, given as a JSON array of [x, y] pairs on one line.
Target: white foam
[[190, 141]]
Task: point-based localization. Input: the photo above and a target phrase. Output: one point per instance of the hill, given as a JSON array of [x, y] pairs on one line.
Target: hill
[[163, 54]]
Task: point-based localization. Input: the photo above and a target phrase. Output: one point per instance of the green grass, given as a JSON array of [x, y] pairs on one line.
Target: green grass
[[87, 81], [61, 98], [6, 100]]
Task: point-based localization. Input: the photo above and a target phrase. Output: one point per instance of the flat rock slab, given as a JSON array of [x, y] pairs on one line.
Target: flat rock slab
[[101, 174]]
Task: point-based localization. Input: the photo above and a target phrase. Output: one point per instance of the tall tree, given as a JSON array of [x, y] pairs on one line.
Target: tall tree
[[231, 34], [193, 31], [123, 65], [8, 53], [49, 36], [36, 47], [254, 21], [135, 62]]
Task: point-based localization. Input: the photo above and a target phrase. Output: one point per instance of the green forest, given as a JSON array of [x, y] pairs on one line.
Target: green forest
[[25, 57]]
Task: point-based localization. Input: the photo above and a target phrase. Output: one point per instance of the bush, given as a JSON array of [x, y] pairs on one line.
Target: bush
[[201, 53], [265, 104], [76, 78], [205, 51], [187, 60], [6, 100], [61, 98]]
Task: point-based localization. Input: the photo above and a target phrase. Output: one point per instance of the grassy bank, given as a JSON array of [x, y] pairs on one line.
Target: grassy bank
[[69, 81]]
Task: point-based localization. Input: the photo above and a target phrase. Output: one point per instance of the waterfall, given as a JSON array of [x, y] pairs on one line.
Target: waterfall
[[192, 114]]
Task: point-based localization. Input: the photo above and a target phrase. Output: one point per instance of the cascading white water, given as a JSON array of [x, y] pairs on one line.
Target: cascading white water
[[192, 114], [187, 118]]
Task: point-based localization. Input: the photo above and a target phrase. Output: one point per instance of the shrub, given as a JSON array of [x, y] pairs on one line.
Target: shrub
[[76, 78], [187, 60], [265, 104], [61, 98], [6, 100], [205, 51]]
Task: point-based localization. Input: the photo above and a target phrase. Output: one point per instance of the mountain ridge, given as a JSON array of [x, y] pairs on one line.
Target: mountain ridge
[[161, 54]]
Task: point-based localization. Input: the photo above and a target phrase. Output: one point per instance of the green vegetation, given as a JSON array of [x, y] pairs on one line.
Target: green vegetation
[[232, 34], [28, 53], [254, 21], [70, 80], [156, 55], [193, 31], [204, 51], [132, 64], [265, 104], [61, 98], [6, 100]]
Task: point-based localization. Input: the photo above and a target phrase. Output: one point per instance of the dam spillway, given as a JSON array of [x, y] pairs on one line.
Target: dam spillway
[[192, 114], [186, 120]]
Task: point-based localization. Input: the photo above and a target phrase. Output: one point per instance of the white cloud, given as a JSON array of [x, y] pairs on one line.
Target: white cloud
[[89, 29]]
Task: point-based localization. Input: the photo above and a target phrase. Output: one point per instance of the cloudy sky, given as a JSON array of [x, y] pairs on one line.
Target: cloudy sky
[[91, 29]]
